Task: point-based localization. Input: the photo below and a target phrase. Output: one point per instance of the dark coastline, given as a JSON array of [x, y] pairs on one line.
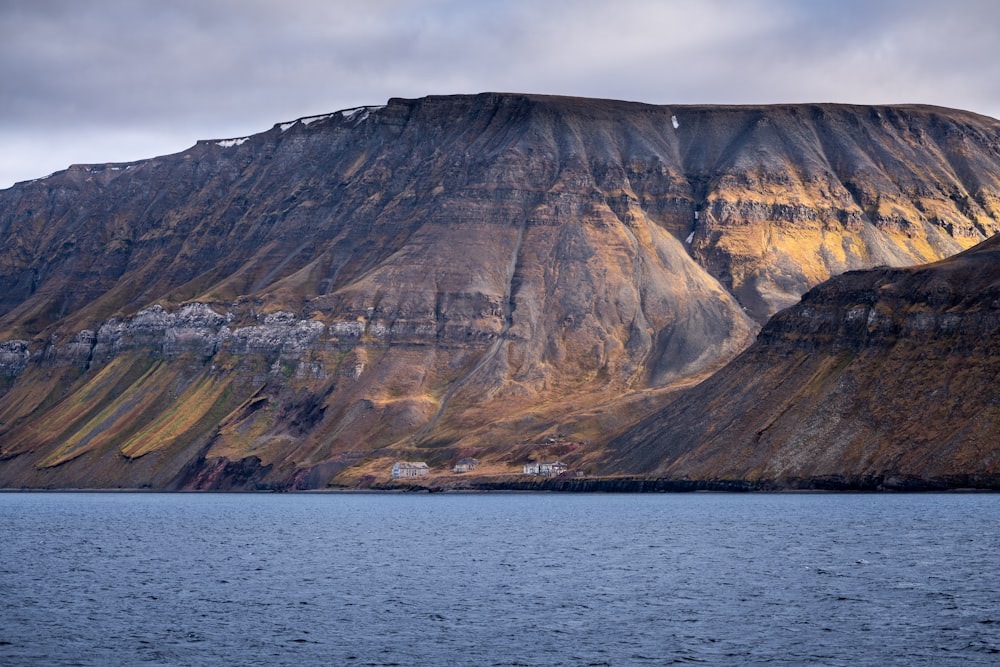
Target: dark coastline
[[837, 483], [972, 483]]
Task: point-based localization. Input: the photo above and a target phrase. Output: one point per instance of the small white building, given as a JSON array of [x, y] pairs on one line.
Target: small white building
[[409, 469], [545, 469], [466, 465]]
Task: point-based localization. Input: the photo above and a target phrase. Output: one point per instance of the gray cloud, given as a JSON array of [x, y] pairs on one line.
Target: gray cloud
[[110, 80]]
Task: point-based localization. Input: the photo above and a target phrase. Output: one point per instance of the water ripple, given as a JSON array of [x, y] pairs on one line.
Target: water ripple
[[504, 579]]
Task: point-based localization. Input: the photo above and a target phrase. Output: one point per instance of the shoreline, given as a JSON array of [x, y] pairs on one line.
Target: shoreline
[[875, 484]]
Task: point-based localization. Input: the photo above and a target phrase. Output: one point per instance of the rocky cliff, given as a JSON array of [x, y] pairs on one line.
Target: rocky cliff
[[877, 379], [442, 277]]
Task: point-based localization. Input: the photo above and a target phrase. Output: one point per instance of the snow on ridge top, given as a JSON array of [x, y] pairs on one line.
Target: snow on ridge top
[[312, 119], [364, 111], [229, 143], [354, 113]]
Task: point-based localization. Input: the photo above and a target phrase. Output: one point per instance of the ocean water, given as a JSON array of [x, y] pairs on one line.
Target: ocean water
[[499, 579]]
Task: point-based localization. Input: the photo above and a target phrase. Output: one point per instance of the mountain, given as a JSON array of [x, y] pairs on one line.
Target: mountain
[[882, 379], [501, 276]]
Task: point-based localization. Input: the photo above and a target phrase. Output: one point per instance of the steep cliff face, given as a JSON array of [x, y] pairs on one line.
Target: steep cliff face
[[798, 194], [440, 276], [878, 378]]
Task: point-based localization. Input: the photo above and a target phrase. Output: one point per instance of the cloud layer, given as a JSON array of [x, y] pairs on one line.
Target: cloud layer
[[116, 80]]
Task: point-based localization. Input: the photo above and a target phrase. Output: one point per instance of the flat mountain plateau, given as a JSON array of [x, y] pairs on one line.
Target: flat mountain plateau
[[507, 277]]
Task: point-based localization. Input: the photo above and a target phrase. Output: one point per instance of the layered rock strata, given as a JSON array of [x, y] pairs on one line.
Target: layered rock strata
[[877, 379], [440, 277]]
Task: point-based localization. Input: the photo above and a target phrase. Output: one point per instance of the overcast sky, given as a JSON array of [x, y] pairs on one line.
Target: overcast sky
[[93, 81]]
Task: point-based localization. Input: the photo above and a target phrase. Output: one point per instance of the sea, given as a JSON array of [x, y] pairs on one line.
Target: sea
[[499, 579]]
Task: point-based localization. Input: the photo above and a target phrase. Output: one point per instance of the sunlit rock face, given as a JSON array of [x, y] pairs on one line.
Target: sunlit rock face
[[882, 378], [441, 277]]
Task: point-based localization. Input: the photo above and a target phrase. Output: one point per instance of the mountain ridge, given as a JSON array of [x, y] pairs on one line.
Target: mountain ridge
[[441, 275]]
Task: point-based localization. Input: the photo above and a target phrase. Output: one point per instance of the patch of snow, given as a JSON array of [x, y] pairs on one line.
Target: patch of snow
[[355, 113], [696, 215], [360, 113], [229, 143], [676, 123], [313, 119], [689, 238]]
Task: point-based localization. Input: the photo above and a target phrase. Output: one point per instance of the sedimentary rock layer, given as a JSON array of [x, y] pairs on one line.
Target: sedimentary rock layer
[[882, 378], [440, 277]]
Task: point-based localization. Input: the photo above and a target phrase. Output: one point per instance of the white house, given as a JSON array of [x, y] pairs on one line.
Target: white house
[[409, 469], [545, 469], [466, 465]]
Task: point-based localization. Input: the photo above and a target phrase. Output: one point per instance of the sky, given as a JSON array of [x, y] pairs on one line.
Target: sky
[[100, 81]]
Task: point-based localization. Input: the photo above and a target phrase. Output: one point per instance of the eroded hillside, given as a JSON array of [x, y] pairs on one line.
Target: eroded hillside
[[439, 278], [877, 379]]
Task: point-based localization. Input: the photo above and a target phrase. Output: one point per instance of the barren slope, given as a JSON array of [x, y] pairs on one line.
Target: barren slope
[[877, 379], [440, 277]]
